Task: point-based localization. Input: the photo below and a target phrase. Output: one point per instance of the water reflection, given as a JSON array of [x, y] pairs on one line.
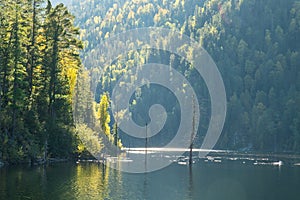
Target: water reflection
[[91, 181], [145, 189], [190, 189], [202, 181]]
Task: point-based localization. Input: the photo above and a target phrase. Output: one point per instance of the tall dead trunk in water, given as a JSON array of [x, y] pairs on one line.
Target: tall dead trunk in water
[[146, 146], [193, 134]]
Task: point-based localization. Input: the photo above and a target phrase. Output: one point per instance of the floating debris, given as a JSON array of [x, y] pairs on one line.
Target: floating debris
[[297, 164], [279, 163]]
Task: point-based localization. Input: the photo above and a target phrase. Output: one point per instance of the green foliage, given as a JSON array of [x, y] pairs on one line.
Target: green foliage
[[39, 60], [254, 43], [103, 114], [89, 139]]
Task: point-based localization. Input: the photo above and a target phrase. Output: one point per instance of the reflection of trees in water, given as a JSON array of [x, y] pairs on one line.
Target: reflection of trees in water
[[117, 182], [145, 188], [190, 185], [97, 181], [92, 181]]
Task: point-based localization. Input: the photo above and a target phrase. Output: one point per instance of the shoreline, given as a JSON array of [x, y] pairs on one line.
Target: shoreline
[[286, 158], [289, 159]]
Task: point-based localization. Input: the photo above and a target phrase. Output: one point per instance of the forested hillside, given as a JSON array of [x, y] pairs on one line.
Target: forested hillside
[[254, 43], [45, 89]]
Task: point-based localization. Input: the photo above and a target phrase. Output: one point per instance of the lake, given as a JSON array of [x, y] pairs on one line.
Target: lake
[[207, 181]]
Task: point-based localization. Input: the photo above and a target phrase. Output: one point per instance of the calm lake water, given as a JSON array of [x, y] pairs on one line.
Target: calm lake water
[[234, 181]]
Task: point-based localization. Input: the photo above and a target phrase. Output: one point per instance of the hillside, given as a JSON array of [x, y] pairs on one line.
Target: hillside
[[254, 43]]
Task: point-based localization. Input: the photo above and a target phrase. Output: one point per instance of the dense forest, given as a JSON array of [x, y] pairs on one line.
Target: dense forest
[[39, 60], [39, 65], [45, 89], [254, 43]]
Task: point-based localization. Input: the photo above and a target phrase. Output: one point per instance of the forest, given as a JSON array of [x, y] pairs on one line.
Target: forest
[[51, 94], [39, 63], [254, 43]]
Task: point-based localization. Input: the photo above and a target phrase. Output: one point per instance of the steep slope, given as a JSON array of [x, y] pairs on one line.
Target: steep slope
[[255, 44]]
